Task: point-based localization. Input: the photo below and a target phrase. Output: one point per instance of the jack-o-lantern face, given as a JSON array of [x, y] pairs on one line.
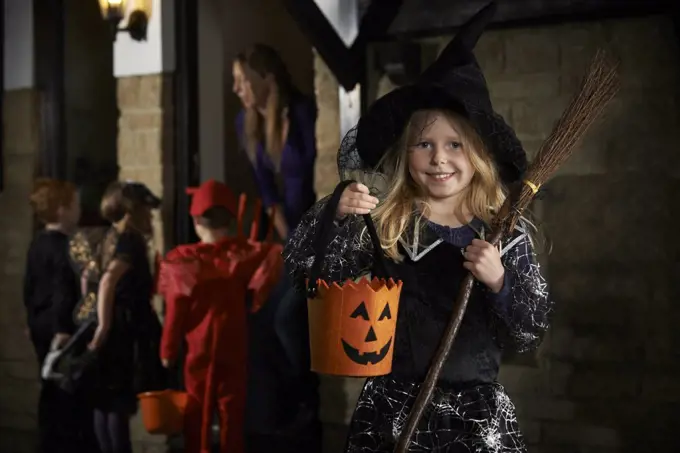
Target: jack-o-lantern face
[[351, 327], [376, 355]]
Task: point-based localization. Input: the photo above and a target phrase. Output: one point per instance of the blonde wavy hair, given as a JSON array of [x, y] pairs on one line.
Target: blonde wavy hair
[[404, 205]]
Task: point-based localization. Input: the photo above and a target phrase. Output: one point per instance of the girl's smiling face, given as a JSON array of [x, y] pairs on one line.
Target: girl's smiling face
[[437, 161]]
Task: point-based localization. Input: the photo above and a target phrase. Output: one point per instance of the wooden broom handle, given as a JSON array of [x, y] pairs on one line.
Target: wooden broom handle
[[430, 383]]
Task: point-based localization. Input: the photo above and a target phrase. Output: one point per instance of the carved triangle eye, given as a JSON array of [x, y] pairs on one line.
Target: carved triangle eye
[[360, 311], [386, 313]]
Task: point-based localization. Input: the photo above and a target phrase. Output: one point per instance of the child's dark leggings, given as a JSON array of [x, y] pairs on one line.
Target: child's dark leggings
[[113, 431]]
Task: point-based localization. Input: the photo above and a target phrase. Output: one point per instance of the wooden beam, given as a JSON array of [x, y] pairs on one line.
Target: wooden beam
[[48, 17], [445, 16], [347, 64], [186, 112], [2, 94]]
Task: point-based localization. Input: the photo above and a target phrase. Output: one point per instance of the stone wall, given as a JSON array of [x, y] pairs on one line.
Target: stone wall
[[145, 142], [145, 153], [19, 384], [603, 380]]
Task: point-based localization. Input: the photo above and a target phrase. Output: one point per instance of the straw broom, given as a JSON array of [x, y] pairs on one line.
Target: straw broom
[[598, 87]]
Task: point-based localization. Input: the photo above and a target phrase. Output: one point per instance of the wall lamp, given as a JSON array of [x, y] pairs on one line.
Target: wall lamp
[[131, 16]]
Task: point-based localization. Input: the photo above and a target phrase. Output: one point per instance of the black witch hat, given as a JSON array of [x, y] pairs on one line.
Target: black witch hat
[[455, 82]]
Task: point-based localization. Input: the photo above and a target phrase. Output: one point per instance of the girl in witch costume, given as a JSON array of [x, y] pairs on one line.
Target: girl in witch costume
[[127, 336], [448, 159]]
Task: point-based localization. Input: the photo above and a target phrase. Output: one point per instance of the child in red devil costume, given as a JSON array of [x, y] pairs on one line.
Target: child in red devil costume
[[205, 287]]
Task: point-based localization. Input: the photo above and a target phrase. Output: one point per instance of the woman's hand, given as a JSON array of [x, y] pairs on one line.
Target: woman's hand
[[84, 278], [484, 261], [60, 339], [167, 363], [97, 339], [356, 199]]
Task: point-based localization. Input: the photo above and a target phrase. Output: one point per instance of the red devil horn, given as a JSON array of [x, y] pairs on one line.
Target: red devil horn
[[255, 225], [241, 213], [270, 230]]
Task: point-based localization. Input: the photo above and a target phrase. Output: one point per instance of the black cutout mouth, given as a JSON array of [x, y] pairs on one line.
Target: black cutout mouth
[[367, 357]]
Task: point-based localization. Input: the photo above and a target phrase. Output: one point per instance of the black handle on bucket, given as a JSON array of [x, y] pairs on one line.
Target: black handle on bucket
[[324, 235]]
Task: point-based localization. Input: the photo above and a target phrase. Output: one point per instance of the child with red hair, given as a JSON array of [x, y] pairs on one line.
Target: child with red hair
[[51, 292]]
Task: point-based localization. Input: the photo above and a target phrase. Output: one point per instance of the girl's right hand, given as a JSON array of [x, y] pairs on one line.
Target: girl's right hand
[[356, 199]]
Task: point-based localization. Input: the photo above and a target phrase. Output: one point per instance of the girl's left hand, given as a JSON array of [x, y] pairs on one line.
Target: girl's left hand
[[484, 261]]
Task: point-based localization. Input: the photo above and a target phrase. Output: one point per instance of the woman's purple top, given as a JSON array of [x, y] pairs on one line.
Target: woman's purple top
[[293, 187]]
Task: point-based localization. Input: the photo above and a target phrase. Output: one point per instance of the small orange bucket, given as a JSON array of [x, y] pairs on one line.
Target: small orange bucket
[[163, 411]]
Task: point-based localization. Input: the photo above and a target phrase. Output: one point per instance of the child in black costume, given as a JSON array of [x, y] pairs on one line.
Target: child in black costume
[[127, 337], [449, 160], [51, 292]]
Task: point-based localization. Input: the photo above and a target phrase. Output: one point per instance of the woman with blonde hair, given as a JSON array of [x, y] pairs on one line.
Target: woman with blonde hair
[[276, 129], [449, 160]]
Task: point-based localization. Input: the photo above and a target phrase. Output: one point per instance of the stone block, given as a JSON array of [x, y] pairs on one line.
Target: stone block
[[140, 148], [531, 50], [148, 119], [15, 344], [578, 43], [582, 435], [605, 385], [490, 52], [140, 92], [602, 346], [19, 171], [661, 344], [531, 430], [18, 422], [607, 295], [328, 119], [17, 441], [21, 122], [589, 156], [26, 369], [629, 123], [524, 86], [661, 388], [583, 214], [18, 396], [557, 375], [534, 119], [643, 42], [521, 380], [539, 408], [326, 175]]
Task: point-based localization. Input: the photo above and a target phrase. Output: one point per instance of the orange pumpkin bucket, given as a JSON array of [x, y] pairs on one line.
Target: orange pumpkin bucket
[[351, 326], [163, 412]]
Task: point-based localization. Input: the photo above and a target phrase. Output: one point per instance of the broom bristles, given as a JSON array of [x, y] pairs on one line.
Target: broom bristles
[[598, 88]]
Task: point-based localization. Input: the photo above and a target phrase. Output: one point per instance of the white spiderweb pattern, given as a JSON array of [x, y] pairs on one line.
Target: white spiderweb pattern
[[477, 419]]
